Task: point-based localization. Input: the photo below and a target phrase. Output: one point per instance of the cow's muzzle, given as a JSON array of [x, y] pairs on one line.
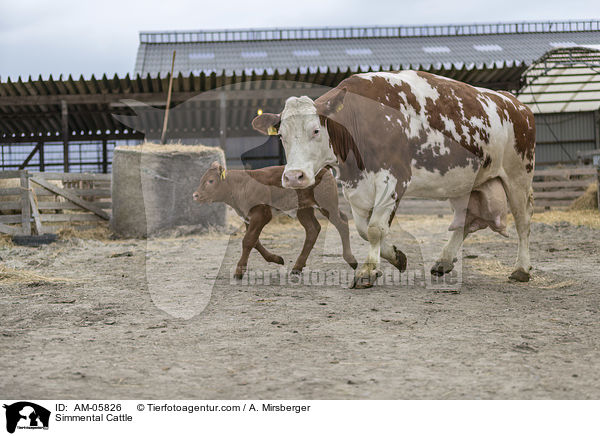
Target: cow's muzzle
[[197, 197], [296, 179]]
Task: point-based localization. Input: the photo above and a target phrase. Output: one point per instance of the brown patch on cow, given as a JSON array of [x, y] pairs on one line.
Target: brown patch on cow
[[342, 142], [431, 158], [512, 111]]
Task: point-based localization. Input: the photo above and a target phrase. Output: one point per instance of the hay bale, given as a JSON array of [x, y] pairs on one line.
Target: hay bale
[[588, 200], [152, 187]]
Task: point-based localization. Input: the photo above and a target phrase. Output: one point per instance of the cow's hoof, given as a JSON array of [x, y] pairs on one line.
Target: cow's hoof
[[238, 276], [520, 275], [400, 260], [441, 268], [364, 280]]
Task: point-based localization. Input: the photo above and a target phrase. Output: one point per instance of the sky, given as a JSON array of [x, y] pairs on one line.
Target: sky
[[84, 37]]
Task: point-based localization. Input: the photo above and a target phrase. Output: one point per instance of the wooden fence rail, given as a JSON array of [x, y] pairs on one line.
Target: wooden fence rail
[[40, 202], [558, 187]]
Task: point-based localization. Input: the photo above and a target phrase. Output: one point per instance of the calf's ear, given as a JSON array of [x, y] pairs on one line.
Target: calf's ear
[[331, 102], [267, 124]]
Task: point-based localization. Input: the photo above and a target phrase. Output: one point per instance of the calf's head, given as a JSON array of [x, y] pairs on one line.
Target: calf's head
[[304, 138], [212, 187]]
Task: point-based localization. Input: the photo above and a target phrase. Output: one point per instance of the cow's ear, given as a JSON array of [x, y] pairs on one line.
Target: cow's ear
[[331, 102], [267, 124]]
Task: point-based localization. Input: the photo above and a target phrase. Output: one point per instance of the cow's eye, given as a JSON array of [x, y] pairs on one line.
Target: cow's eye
[[316, 132]]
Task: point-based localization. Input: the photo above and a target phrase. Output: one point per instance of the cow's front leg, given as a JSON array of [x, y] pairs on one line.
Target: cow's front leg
[[445, 263], [374, 230]]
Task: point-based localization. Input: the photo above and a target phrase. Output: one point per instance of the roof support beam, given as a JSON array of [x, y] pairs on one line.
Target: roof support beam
[[37, 148], [65, 133]]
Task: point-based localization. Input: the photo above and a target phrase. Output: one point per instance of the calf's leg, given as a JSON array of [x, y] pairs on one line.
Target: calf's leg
[[258, 216], [267, 255], [312, 228], [340, 222]]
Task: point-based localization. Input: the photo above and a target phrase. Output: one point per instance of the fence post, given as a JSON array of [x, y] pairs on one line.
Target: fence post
[[25, 206], [597, 159]]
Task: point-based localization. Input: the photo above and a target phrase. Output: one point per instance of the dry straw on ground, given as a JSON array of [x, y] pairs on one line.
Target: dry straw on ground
[[587, 218], [587, 201], [100, 232], [13, 275]]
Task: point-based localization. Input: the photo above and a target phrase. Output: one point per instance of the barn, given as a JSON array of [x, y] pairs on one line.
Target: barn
[[222, 78]]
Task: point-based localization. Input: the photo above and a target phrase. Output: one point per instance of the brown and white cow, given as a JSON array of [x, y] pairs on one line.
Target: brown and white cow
[[414, 133], [254, 193]]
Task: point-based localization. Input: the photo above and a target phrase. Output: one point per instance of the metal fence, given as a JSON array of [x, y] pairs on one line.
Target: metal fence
[[169, 37], [88, 156]]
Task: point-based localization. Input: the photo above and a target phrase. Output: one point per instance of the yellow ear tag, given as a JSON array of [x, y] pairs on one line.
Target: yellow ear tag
[[339, 108], [272, 131], [223, 174]]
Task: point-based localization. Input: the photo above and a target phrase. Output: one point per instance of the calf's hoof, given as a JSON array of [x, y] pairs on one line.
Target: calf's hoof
[[277, 259], [365, 279], [296, 272], [520, 275], [239, 273], [440, 268], [352, 262], [400, 260]]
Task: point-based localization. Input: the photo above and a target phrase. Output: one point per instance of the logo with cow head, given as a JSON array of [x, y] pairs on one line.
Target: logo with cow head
[[26, 415]]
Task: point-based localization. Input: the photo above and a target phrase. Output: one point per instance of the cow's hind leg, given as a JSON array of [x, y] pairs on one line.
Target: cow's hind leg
[[258, 216], [312, 228], [520, 199]]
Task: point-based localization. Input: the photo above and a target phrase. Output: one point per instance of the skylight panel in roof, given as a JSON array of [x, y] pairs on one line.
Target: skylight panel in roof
[[358, 51], [563, 44], [487, 47], [254, 54], [436, 49], [306, 53], [202, 55]]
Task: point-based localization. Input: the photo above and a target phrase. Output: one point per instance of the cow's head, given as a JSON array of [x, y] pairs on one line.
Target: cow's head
[[212, 187], [304, 137]]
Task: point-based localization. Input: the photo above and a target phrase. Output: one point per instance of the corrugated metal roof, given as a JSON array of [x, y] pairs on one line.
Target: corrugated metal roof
[[31, 110], [377, 48], [563, 80]]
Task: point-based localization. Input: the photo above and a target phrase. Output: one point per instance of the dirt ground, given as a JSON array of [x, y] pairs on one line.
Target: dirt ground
[[84, 318]]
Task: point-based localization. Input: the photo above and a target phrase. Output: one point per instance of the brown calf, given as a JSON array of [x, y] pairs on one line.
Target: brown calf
[[254, 193]]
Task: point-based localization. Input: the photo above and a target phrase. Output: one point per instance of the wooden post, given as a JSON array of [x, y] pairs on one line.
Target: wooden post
[[35, 213], [597, 130], [223, 122], [25, 206], [42, 163], [104, 156], [598, 168], [163, 135], [65, 133]]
